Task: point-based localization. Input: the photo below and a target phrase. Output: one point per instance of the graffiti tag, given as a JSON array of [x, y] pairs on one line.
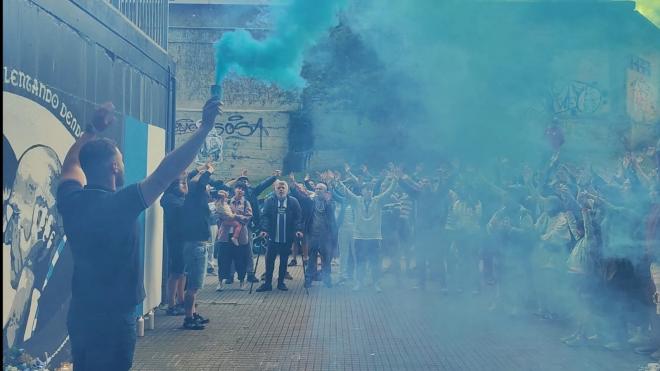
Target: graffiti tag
[[235, 127], [576, 98]]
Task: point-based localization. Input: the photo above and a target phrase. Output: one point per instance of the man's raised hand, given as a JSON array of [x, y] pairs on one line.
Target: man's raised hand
[[103, 117], [212, 108]]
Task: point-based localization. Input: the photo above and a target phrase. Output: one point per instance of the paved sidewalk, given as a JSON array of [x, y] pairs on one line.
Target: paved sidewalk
[[338, 329]]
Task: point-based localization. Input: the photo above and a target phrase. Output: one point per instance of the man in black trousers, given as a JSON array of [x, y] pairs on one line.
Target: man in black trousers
[[281, 222]]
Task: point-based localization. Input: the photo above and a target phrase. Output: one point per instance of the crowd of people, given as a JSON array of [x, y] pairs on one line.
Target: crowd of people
[[566, 240], [563, 241]]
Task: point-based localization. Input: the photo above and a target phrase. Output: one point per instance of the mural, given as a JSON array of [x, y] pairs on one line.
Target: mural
[[36, 265]]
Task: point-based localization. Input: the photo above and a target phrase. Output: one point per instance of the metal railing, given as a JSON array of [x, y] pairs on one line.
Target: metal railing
[[148, 15]]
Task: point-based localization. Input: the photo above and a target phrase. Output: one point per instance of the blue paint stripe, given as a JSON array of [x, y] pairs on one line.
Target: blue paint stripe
[[60, 247], [135, 150], [135, 166]]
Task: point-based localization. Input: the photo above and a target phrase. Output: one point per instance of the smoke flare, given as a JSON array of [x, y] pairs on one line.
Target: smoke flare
[[278, 58]]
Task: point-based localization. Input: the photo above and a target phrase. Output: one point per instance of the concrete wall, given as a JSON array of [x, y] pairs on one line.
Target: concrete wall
[[643, 95], [255, 140], [252, 133]]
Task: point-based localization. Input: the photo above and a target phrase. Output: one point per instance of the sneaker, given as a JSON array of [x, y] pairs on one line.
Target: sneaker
[[189, 323], [175, 311], [241, 285], [377, 288], [308, 284], [264, 287], [197, 317], [288, 276], [281, 286], [293, 263], [263, 276], [252, 279], [220, 287]]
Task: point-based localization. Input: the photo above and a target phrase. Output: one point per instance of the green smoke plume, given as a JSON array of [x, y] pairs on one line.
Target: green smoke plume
[[278, 58]]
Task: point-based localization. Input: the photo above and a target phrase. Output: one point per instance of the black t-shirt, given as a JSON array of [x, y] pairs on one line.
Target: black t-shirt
[[102, 231], [196, 212], [172, 205]]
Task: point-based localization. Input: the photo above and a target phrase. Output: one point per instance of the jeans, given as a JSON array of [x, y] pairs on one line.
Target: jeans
[[346, 251], [211, 245], [367, 251], [101, 341]]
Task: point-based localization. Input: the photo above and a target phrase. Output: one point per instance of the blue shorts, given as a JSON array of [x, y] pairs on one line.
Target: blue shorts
[[194, 255]]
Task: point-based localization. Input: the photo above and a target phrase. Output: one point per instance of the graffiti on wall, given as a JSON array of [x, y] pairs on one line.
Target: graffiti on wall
[[36, 265], [42, 93], [234, 127], [576, 98], [642, 100], [641, 92], [256, 140]]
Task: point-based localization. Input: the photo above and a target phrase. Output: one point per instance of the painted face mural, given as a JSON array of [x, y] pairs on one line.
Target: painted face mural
[[36, 266]]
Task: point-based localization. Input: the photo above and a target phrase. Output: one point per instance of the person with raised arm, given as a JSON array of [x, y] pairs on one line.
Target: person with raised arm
[[367, 233], [100, 222]]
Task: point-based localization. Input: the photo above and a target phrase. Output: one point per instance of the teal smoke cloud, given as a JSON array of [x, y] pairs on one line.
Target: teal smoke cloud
[[278, 58]]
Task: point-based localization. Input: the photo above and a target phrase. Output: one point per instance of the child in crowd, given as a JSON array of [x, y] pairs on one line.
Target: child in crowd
[[225, 212]]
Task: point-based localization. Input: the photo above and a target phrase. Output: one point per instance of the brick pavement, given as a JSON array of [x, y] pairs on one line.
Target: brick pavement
[[338, 329]]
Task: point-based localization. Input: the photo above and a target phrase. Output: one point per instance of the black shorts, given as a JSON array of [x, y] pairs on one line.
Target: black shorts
[[175, 258], [102, 341]]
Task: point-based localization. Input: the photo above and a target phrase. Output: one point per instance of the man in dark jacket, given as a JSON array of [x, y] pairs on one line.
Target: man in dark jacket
[[253, 193], [196, 235], [281, 222], [321, 230]]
